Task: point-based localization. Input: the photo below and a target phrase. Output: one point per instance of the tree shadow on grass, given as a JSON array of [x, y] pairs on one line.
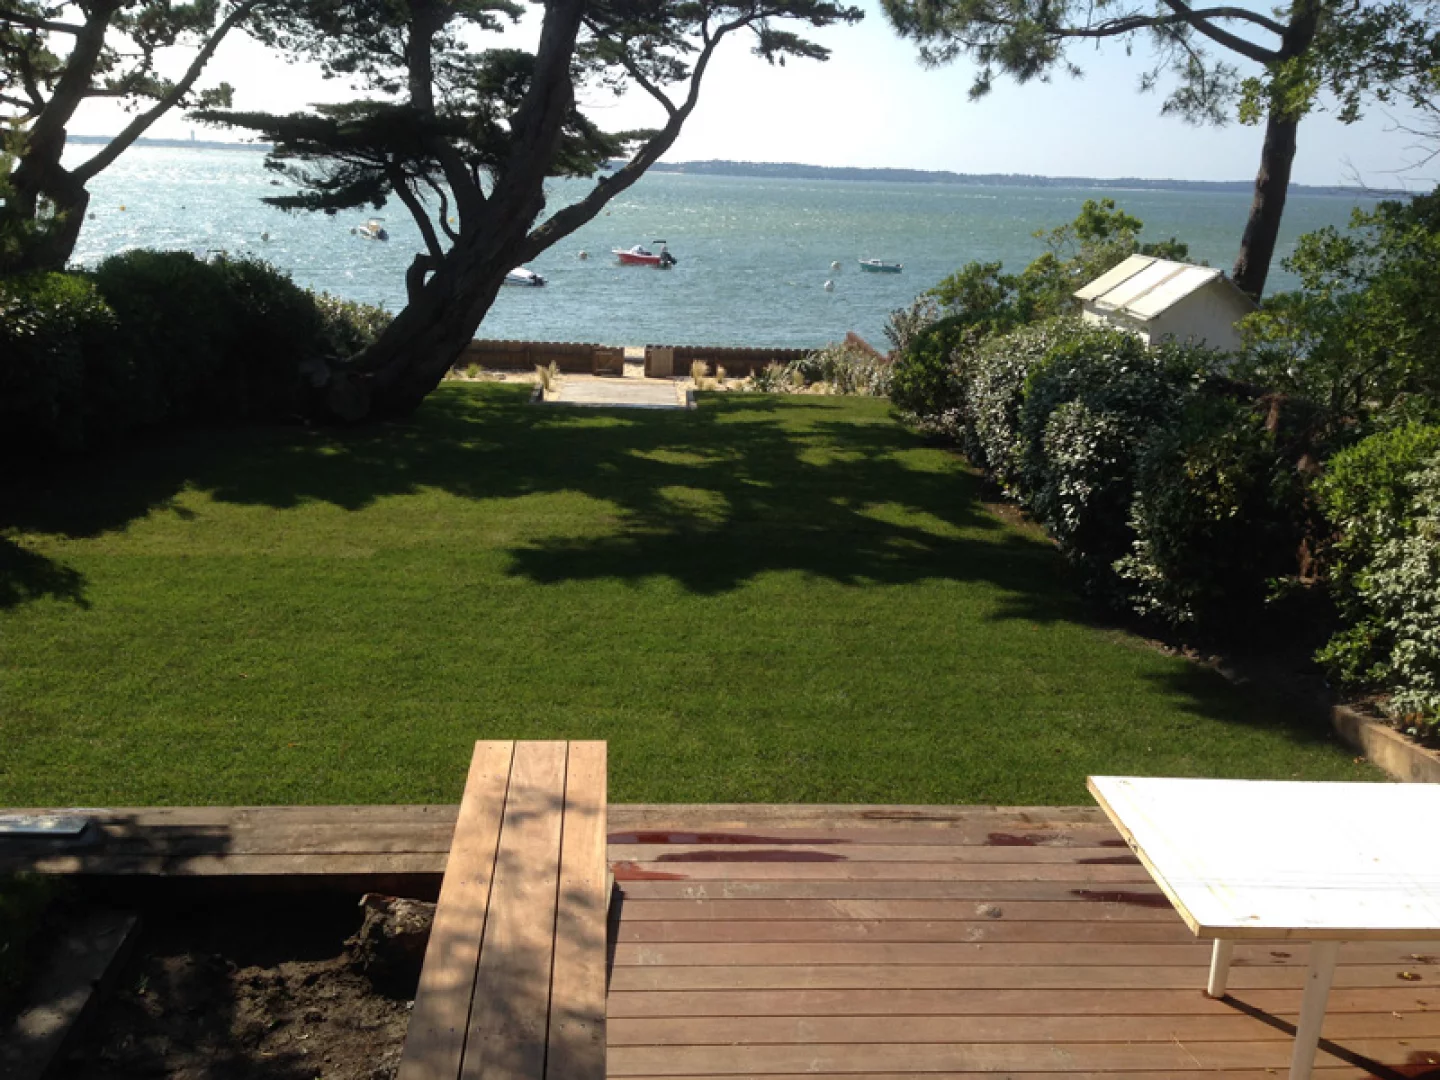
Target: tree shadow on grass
[[1208, 695], [745, 486], [711, 498], [27, 575]]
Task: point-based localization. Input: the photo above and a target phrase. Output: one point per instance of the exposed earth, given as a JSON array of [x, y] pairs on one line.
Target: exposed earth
[[264, 988]]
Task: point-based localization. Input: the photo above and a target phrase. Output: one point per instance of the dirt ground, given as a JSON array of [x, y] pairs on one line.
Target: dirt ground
[[262, 989]]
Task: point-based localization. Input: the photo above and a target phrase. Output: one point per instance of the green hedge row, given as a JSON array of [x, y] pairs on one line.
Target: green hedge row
[[1188, 498], [149, 338]]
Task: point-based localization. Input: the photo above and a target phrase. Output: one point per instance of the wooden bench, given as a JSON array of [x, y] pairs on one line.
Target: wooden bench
[[513, 984]]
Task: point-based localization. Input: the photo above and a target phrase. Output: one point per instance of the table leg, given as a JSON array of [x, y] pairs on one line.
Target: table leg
[[1312, 1007], [1219, 967]]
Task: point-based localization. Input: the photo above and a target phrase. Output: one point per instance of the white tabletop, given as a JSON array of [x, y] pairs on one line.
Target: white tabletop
[[1274, 859]]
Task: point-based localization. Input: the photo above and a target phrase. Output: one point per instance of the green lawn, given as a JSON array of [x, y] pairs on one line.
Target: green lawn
[[768, 599]]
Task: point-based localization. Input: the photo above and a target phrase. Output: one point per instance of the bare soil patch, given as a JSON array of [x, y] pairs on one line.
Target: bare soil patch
[[263, 988]]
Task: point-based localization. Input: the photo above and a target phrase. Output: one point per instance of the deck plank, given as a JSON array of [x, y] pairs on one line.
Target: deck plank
[[1056, 1058], [1125, 1002], [989, 977], [1024, 1028], [509, 1019], [436, 1038], [576, 1040]]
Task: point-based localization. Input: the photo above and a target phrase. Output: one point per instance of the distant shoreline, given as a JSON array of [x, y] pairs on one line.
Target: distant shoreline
[[795, 171]]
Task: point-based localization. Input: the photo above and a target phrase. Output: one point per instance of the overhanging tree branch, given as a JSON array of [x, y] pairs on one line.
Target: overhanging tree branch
[[1233, 42], [137, 127]]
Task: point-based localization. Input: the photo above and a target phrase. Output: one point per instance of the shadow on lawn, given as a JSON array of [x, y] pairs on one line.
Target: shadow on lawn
[[27, 575], [710, 498]]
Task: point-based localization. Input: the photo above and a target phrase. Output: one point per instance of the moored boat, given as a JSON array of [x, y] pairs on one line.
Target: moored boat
[[879, 266], [522, 276], [374, 229], [641, 256]]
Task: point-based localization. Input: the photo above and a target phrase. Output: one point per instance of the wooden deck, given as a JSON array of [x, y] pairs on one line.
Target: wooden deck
[[873, 943]]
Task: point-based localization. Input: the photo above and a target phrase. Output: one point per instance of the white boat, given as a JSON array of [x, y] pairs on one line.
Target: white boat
[[374, 229], [521, 276]]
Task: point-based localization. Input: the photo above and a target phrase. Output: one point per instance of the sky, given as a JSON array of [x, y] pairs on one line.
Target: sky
[[873, 105]]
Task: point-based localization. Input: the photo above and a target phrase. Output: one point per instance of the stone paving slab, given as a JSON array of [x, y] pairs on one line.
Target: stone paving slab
[[619, 393]]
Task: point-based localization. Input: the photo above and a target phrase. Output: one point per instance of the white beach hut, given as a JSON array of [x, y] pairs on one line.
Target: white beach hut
[[1159, 299]]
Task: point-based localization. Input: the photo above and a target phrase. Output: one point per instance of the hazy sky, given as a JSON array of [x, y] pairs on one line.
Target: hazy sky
[[872, 104]]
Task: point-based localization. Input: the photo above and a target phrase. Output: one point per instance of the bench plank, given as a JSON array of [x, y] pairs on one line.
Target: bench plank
[[577, 1005], [510, 1014], [436, 1037]]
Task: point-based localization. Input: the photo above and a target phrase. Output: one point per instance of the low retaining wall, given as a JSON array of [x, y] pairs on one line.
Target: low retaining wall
[[1384, 746], [587, 358], [572, 358]]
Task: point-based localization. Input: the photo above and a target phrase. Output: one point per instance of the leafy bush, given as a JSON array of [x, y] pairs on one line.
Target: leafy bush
[[771, 379], [1088, 408], [347, 326], [1402, 589], [1362, 334], [836, 369], [1371, 495], [153, 337], [276, 325], [1218, 514], [173, 320], [922, 378], [903, 324], [991, 381], [46, 323]]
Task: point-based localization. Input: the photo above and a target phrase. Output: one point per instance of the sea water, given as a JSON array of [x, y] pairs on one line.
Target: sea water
[[754, 255]]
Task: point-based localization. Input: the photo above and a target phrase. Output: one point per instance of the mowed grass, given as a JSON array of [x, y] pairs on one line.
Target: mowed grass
[[768, 599]]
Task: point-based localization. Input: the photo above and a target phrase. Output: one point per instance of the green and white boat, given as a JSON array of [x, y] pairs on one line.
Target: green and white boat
[[878, 266]]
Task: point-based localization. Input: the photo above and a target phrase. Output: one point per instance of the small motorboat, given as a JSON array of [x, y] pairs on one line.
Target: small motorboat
[[374, 229], [641, 256], [878, 266], [521, 276]]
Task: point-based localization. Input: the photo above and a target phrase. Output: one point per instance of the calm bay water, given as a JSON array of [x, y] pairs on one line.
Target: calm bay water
[[754, 254]]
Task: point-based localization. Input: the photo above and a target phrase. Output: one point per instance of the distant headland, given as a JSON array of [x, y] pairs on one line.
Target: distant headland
[[789, 170], [191, 143], [794, 171]]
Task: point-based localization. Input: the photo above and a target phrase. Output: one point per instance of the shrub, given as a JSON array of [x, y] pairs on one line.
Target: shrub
[[903, 324], [173, 319], [1371, 495], [838, 369], [773, 378], [1219, 514], [1361, 335], [276, 327], [922, 378], [153, 337], [347, 326], [1087, 409], [47, 322], [1402, 590], [991, 381]]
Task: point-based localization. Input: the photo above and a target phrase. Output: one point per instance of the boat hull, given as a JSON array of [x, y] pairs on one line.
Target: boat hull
[[874, 266], [629, 259]]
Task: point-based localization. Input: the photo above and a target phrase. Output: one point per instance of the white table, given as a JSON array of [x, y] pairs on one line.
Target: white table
[[1262, 859]]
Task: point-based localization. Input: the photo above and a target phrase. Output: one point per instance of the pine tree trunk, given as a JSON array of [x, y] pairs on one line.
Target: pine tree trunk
[[1272, 183], [46, 211], [392, 377]]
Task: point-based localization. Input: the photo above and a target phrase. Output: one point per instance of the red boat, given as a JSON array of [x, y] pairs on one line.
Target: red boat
[[640, 256]]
